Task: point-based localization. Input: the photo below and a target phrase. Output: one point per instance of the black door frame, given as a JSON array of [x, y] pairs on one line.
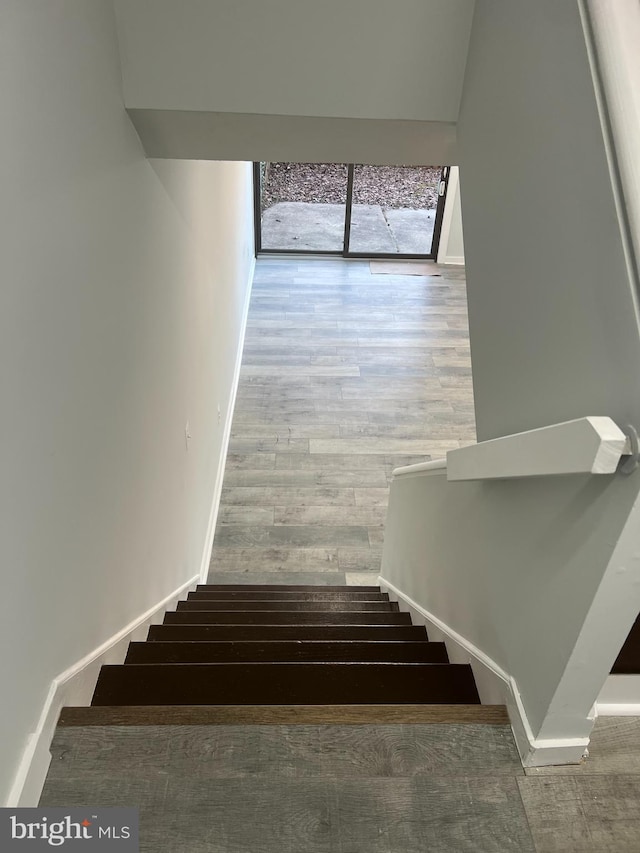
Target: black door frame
[[345, 252]]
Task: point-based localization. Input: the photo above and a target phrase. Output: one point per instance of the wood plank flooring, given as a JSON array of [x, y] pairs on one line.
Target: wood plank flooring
[[588, 814], [590, 807], [211, 780], [345, 375], [335, 789]]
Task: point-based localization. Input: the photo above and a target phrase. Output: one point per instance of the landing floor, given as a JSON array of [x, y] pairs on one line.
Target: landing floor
[[352, 789], [345, 376]]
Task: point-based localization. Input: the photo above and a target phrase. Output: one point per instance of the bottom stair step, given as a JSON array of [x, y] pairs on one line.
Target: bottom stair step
[[285, 684]]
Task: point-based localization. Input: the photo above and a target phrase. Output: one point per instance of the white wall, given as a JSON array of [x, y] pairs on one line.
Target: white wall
[[123, 290], [554, 327], [310, 139], [340, 81], [541, 575], [340, 58], [516, 567]]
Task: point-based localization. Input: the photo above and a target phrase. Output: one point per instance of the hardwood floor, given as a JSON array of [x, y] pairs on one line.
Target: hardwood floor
[[203, 784], [345, 376], [590, 807], [329, 788]]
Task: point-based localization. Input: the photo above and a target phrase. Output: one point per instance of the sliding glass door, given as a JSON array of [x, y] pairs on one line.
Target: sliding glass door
[[393, 210], [349, 210], [302, 207]]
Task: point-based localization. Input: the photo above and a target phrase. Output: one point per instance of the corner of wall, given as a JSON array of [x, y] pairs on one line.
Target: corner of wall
[[75, 686], [540, 752], [495, 686]]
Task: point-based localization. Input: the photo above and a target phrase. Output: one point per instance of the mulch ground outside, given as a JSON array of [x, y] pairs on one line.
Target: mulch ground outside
[[410, 187]]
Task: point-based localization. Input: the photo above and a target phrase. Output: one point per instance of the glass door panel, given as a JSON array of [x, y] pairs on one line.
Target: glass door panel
[[302, 207], [393, 210]]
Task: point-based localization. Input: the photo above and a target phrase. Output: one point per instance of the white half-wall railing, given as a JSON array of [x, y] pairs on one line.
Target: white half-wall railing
[[591, 445]]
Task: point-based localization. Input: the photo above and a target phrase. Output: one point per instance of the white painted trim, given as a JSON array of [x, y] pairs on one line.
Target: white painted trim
[[620, 697], [471, 653], [626, 709], [457, 260], [590, 445], [541, 752], [222, 461], [75, 686], [420, 468], [495, 686]]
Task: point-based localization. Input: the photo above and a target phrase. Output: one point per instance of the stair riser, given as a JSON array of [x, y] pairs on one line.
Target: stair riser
[[292, 651], [195, 603], [291, 684], [182, 633], [293, 645], [261, 617]]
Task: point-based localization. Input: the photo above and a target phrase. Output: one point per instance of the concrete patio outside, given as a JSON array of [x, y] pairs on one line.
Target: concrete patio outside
[[306, 226]]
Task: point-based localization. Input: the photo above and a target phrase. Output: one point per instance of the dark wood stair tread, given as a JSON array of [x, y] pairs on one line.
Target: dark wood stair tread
[[186, 615], [214, 594], [285, 632], [195, 603], [285, 683], [279, 715], [291, 650], [285, 588]]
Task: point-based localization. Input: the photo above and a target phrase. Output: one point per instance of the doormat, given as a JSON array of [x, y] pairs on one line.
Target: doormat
[[402, 268]]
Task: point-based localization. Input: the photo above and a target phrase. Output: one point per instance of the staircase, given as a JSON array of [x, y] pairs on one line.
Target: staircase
[[628, 661], [286, 645]]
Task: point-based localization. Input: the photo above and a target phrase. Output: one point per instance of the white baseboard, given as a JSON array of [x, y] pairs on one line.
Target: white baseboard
[[495, 687], [541, 752], [491, 680], [458, 260], [75, 686], [626, 709], [620, 697], [226, 435]]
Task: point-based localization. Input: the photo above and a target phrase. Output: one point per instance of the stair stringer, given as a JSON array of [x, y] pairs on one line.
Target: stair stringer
[[495, 687]]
